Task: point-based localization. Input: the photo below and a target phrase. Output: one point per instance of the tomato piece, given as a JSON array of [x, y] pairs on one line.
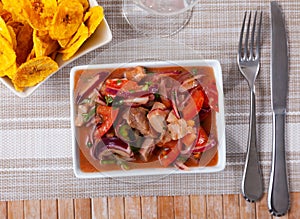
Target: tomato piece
[[202, 137], [116, 83], [194, 105], [168, 156], [107, 115], [203, 142], [112, 86]]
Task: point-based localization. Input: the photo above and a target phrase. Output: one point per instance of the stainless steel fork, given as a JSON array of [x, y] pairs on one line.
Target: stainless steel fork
[[248, 62]]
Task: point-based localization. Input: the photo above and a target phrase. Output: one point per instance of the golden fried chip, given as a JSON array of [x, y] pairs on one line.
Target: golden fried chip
[[31, 55], [43, 44], [13, 37], [63, 42], [15, 7], [34, 71], [79, 38], [82, 30], [24, 42], [4, 32], [7, 54], [94, 19], [87, 16], [10, 72], [39, 13], [67, 19], [85, 4]]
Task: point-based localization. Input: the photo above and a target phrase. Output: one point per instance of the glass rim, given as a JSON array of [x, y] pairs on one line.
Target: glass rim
[[164, 14]]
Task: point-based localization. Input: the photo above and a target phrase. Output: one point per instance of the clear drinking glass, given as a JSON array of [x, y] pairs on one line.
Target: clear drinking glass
[[158, 17]]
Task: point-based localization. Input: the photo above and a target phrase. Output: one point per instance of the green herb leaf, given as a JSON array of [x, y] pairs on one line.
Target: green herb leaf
[[146, 86], [87, 100], [89, 115], [119, 82], [89, 144], [125, 166], [108, 100], [194, 71], [105, 162], [134, 149], [157, 96]]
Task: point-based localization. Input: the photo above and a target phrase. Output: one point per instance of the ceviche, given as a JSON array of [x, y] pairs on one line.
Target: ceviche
[[137, 117]]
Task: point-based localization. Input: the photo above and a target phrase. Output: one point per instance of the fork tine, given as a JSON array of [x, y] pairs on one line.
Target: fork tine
[[258, 37], [251, 55], [247, 36], [241, 37]]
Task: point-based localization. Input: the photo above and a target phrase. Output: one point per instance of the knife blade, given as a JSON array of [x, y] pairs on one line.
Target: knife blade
[[278, 193]]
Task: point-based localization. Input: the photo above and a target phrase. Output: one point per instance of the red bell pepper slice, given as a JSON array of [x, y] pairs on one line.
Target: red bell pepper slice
[[194, 104]]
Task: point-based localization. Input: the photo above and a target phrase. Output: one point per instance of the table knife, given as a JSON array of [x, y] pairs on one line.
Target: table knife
[[278, 193]]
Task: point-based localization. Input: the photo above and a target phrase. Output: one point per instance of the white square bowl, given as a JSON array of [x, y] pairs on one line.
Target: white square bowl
[[220, 122], [100, 37]]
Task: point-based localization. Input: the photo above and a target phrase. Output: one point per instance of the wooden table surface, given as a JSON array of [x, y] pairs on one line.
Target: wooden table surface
[[198, 207]]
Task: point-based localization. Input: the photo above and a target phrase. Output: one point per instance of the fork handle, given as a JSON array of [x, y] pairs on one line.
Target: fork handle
[[252, 184], [278, 194]]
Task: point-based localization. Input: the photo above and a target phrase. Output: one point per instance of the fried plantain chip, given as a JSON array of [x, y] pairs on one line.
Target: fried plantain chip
[[43, 44], [63, 42], [39, 13], [87, 16], [10, 72], [79, 38], [34, 71], [31, 55], [6, 16], [13, 37], [15, 8], [67, 19], [4, 32], [85, 4], [94, 19], [82, 30], [7, 54]]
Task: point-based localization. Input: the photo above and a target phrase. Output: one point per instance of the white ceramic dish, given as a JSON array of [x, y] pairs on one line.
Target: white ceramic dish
[[100, 37], [220, 121]]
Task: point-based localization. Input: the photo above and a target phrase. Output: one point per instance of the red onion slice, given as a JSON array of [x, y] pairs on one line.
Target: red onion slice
[[210, 144], [114, 145], [87, 87]]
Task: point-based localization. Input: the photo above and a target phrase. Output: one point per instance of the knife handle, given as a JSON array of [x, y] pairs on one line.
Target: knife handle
[[252, 183], [278, 195]]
